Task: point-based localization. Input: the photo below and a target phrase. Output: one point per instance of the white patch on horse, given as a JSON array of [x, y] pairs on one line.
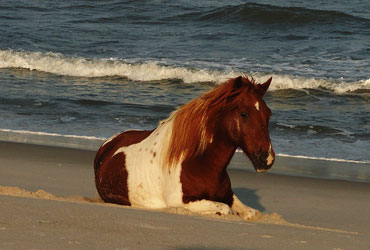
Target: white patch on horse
[[149, 182], [257, 105]]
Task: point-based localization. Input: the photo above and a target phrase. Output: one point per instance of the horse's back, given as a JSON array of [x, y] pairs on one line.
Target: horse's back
[[123, 139], [110, 171]]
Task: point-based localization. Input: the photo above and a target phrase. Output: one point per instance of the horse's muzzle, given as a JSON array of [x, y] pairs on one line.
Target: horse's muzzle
[[262, 162]]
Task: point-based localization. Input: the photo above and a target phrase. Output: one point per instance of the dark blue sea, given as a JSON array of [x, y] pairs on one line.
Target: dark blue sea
[[90, 69]]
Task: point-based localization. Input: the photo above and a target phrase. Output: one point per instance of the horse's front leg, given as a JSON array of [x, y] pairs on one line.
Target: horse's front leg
[[242, 210], [208, 207]]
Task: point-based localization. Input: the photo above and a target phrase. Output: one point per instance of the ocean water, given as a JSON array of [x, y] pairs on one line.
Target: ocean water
[[89, 69]]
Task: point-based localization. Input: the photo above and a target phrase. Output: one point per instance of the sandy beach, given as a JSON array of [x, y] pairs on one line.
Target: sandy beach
[[48, 201]]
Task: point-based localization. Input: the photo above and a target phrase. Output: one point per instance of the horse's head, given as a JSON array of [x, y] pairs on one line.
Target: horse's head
[[247, 122], [232, 114]]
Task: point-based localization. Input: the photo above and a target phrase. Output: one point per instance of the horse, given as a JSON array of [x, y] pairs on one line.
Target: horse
[[182, 163]]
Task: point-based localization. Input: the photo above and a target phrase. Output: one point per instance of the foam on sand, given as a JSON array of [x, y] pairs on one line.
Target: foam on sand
[[273, 218]]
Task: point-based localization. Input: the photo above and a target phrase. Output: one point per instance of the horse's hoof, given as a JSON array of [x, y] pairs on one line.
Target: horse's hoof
[[223, 209]]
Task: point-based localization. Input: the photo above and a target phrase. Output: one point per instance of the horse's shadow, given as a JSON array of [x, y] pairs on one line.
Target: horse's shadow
[[249, 198]]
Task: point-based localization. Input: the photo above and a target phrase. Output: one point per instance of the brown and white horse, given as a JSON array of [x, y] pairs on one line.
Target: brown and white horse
[[182, 163]]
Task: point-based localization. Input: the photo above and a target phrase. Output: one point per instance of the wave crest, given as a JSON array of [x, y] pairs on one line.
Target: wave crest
[[59, 64], [281, 82]]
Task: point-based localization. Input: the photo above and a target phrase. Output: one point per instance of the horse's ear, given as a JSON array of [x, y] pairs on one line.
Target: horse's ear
[[262, 88], [238, 82]]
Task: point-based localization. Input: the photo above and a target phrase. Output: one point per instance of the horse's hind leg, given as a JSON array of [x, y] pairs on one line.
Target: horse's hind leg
[[208, 207], [116, 199], [111, 181], [242, 210]]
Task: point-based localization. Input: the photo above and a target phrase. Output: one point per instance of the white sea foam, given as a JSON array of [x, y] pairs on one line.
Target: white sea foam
[[26, 132], [296, 82], [76, 66], [152, 71], [322, 158], [51, 139], [316, 158]]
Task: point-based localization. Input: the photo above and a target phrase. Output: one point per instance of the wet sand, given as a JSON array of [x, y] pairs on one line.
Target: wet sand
[[48, 201]]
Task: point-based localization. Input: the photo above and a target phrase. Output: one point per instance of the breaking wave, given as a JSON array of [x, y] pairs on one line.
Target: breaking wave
[[59, 64]]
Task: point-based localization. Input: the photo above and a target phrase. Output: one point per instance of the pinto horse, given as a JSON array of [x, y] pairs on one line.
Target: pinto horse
[[182, 163]]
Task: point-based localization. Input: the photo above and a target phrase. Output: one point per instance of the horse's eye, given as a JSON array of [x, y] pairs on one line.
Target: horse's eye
[[243, 115]]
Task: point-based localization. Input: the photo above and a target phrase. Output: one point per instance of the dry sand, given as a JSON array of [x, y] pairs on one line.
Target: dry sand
[[48, 201]]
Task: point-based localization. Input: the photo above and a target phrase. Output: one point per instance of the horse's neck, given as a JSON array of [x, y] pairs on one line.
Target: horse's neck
[[218, 154]]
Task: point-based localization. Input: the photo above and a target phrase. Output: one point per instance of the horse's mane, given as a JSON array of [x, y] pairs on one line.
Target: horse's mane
[[194, 122]]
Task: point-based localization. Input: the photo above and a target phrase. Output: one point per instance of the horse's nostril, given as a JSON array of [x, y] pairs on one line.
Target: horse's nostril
[[262, 157]]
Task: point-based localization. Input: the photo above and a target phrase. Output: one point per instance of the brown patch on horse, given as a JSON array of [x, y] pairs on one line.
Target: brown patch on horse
[[205, 176], [194, 122], [110, 170], [112, 182], [198, 184]]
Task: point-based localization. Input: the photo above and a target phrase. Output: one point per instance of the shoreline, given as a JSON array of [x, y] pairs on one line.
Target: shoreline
[[284, 164], [58, 209], [312, 168]]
